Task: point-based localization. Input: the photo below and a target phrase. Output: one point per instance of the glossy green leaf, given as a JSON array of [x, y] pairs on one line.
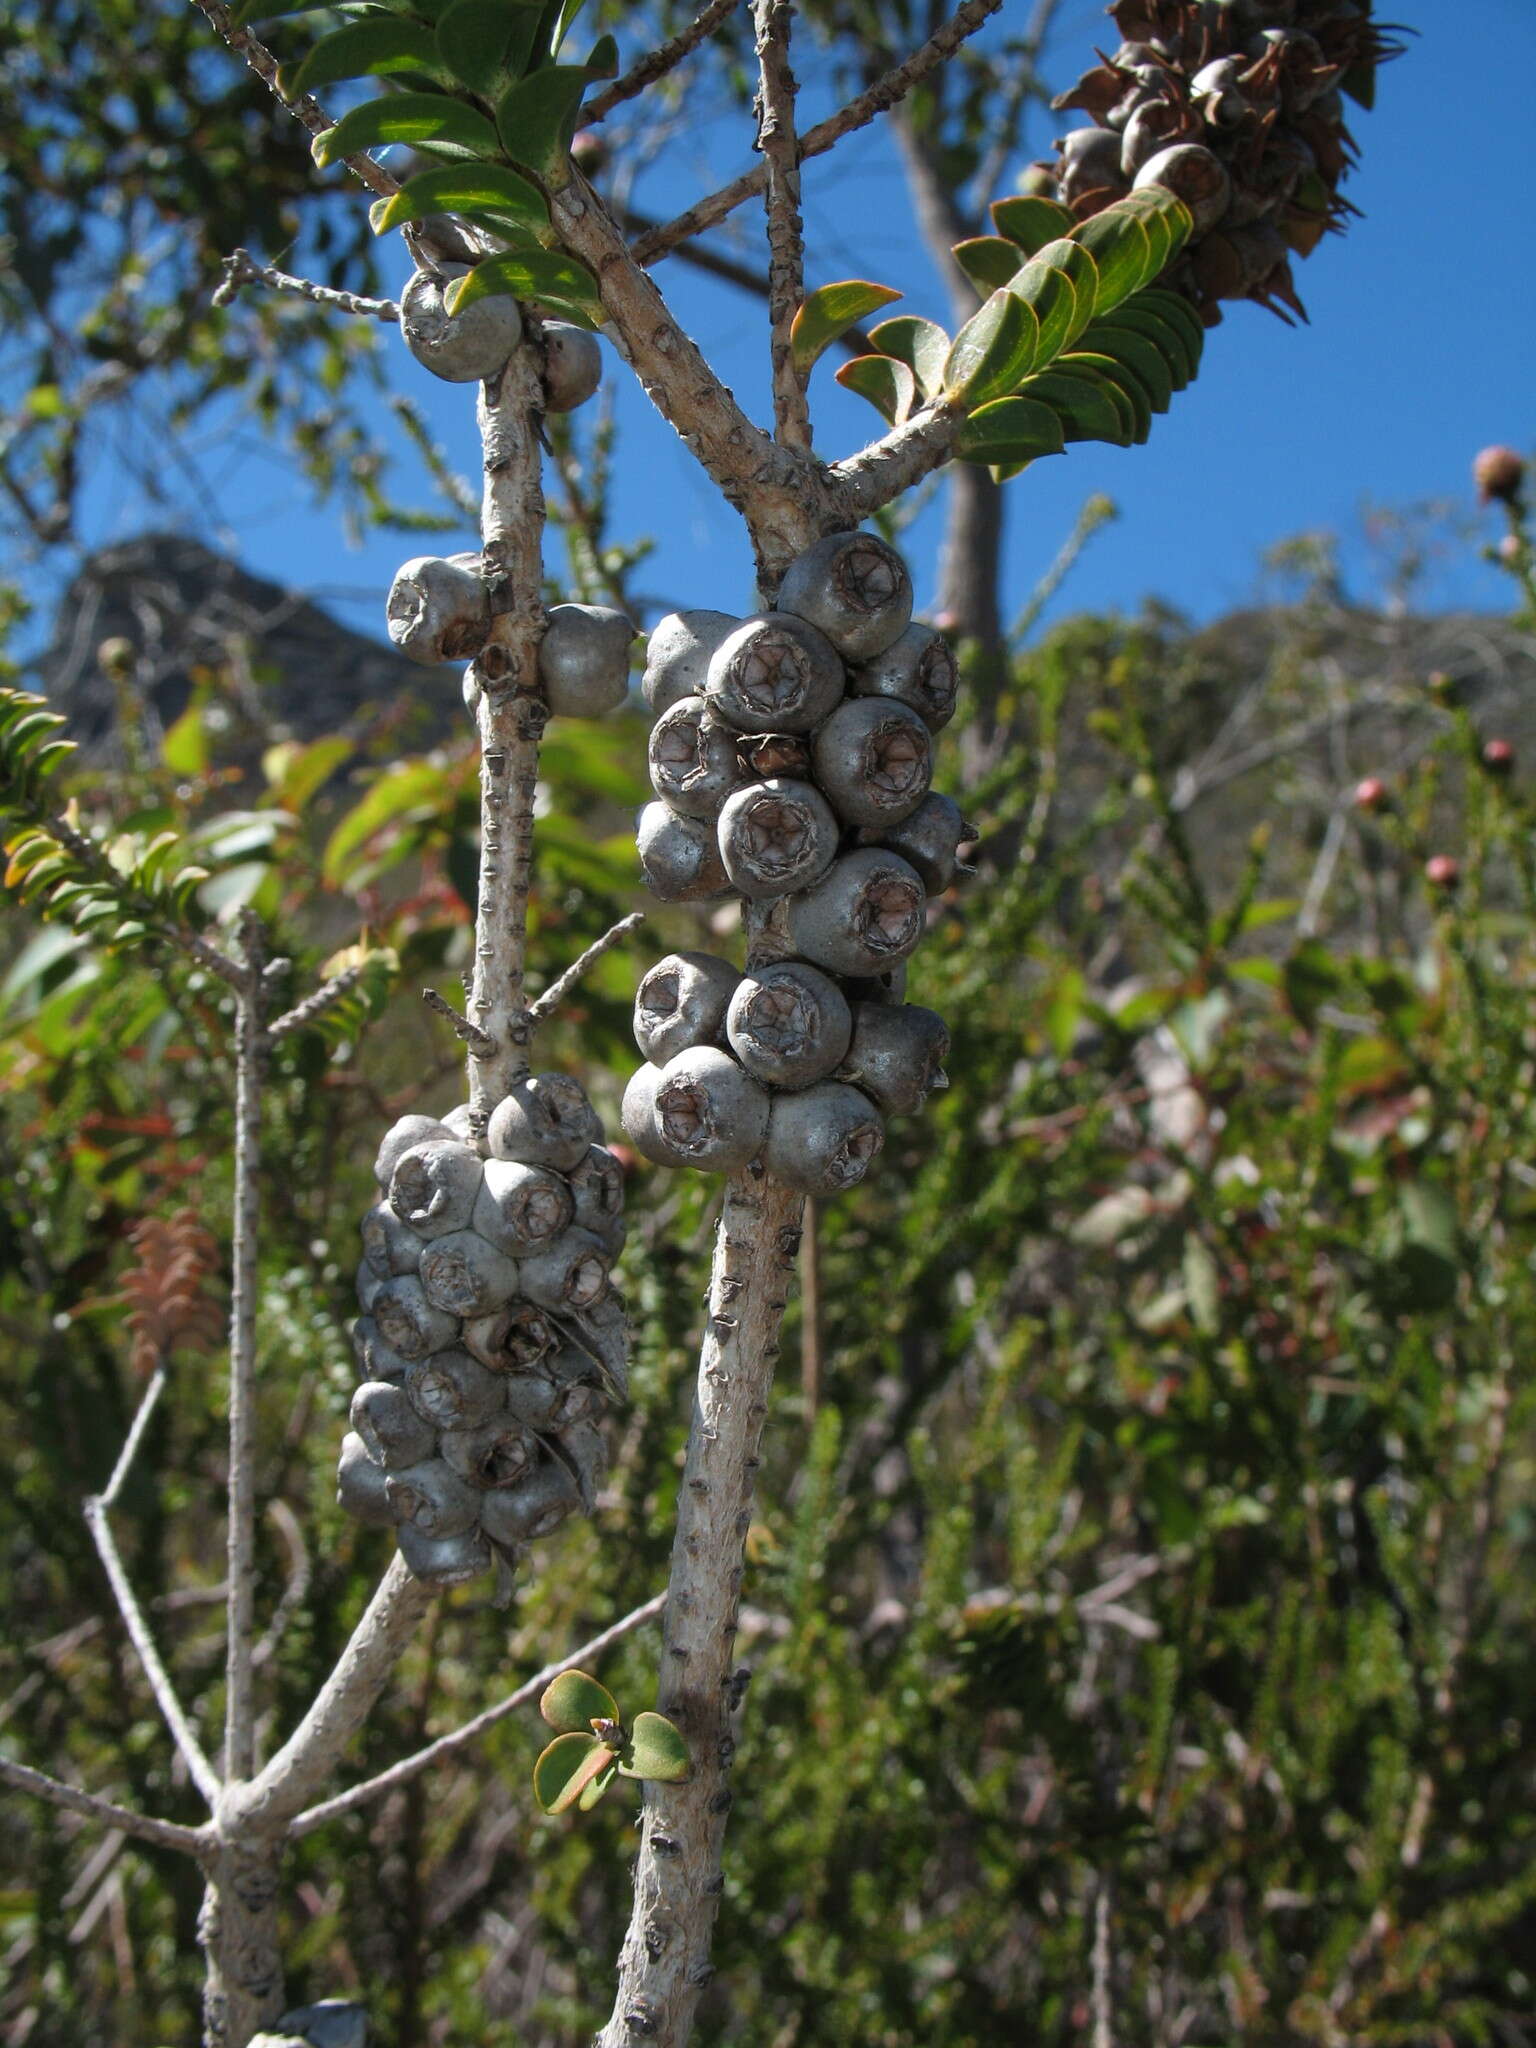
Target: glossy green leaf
[[888, 385], [993, 350], [277, 10], [539, 274], [1072, 261], [1121, 247], [574, 1700], [1083, 405], [474, 189], [655, 1749], [1010, 431], [403, 795], [1122, 384], [603, 59], [536, 117], [1031, 223], [1168, 338], [988, 260], [1167, 220], [482, 43], [413, 117], [566, 1768], [597, 1786], [1140, 355], [920, 344], [1179, 313], [830, 312], [363, 49], [1051, 296]]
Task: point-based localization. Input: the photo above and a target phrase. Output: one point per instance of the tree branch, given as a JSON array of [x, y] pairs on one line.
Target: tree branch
[[241, 268], [562, 985], [250, 1063], [164, 1834], [786, 241], [878, 474], [412, 1766], [315, 1006], [658, 63]]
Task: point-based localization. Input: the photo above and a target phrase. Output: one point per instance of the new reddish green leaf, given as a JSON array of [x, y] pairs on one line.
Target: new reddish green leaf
[[574, 1700], [566, 1768], [1031, 223], [830, 312], [888, 385], [920, 344]]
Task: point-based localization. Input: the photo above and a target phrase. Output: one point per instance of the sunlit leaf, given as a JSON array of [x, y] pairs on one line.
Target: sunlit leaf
[[988, 260], [994, 349], [411, 117], [1031, 223], [574, 1700], [655, 1749], [830, 312], [536, 117], [473, 189], [920, 344], [1009, 431], [888, 385], [363, 49], [542, 274]]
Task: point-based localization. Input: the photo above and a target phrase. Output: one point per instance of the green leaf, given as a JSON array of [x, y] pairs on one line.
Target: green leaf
[[596, 1787], [536, 117], [1083, 405], [993, 350], [1154, 327], [489, 190], [1122, 250], [363, 49], [831, 311], [406, 117], [296, 773], [1011, 431], [575, 1700], [1059, 285], [603, 59], [1119, 382], [1141, 357], [482, 43], [566, 1768], [655, 1749], [888, 385], [540, 274], [405, 794], [1167, 220], [1031, 223], [920, 344], [1180, 314], [987, 260], [184, 749]]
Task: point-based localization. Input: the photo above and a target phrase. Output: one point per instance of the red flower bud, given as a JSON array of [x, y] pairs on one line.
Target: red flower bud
[[1498, 473], [1498, 757], [1372, 794], [1442, 871]]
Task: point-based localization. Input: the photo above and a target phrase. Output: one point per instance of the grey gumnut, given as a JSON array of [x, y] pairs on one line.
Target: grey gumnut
[[534, 1507], [393, 1431], [863, 917], [532, 1399], [776, 837], [597, 1193], [515, 1339], [1194, 174], [467, 347], [823, 1139], [389, 1245], [408, 1322], [402, 1137], [693, 761], [584, 659], [360, 1484], [930, 838], [458, 1122], [444, 1560], [678, 654], [789, 1024], [466, 1276], [602, 1333], [330, 2023], [454, 1391], [439, 609], [520, 1207], [918, 669], [681, 1001], [367, 1284], [544, 1120], [570, 1273], [498, 1453], [679, 857], [1090, 162], [775, 673], [433, 1498], [434, 1187], [874, 759], [573, 366], [375, 1359], [701, 1109], [897, 1054], [852, 587]]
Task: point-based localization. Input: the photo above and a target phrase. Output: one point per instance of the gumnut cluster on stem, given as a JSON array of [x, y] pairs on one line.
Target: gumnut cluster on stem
[[791, 757]]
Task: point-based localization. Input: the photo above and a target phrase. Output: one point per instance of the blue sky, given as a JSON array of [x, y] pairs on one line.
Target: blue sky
[[1421, 350]]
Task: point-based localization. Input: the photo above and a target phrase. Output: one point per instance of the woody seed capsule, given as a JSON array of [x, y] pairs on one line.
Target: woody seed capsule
[[573, 365], [919, 670], [874, 759], [392, 1430], [789, 1024], [864, 917], [775, 673], [853, 588], [454, 1391], [408, 1322], [679, 857], [467, 346], [681, 1001], [584, 659], [570, 1273], [1194, 174], [929, 838], [767, 754], [444, 1560], [896, 1055], [389, 1245], [466, 1276], [699, 1110], [693, 761], [777, 836], [439, 609], [375, 1359], [433, 1498], [823, 1139], [367, 1285], [515, 1339], [360, 1484], [597, 1192], [678, 655], [434, 1186], [520, 1207], [545, 1120], [403, 1137], [510, 1515], [498, 1453]]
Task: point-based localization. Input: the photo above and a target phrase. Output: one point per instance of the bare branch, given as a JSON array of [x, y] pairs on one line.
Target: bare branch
[[241, 268], [412, 1766], [878, 99], [880, 473], [786, 240], [562, 985], [315, 1006], [135, 1437], [480, 1043], [164, 1834], [306, 108], [250, 1062], [659, 62], [292, 1532]]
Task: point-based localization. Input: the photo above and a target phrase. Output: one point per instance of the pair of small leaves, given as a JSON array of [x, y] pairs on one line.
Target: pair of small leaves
[[593, 1747]]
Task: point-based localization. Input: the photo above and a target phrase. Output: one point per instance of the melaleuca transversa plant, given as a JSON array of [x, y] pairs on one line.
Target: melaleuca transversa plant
[[792, 763]]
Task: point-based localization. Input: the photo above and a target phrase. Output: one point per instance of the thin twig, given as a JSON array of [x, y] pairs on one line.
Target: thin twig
[[313, 1007], [165, 1834], [779, 145], [562, 985], [241, 268], [412, 1766], [878, 99], [250, 1062], [134, 1438], [480, 1043], [292, 1597], [204, 1776], [306, 108], [658, 62]]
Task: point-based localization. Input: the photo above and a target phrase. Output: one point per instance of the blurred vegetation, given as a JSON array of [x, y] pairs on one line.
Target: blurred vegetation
[[1140, 1612]]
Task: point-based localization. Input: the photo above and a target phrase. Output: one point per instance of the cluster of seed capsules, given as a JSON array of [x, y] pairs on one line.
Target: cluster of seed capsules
[[1238, 106], [791, 757], [490, 1333]]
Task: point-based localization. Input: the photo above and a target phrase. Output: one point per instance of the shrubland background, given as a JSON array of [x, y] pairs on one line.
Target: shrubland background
[[1141, 1611]]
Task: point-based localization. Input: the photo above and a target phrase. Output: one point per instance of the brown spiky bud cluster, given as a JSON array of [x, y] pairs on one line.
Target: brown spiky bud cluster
[[1238, 107], [490, 1334], [172, 1307], [791, 758]]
